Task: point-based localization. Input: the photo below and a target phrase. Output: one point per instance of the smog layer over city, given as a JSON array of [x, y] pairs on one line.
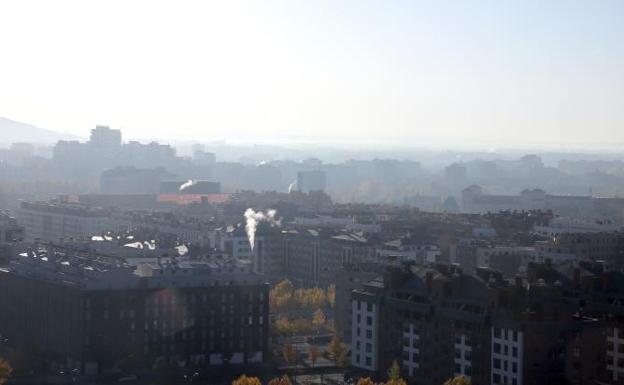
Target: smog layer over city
[[312, 192]]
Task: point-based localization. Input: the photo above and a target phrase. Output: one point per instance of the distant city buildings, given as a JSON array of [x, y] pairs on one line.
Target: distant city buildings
[[313, 180], [59, 221]]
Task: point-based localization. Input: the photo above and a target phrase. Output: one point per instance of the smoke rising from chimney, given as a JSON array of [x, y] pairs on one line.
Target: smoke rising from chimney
[[253, 218], [186, 185]]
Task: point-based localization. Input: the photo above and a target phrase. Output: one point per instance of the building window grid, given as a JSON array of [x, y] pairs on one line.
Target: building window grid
[[615, 343], [463, 356], [506, 356], [411, 352], [363, 315]]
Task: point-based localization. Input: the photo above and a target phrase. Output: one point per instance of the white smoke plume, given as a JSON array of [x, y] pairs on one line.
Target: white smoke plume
[[188, 184], [292, 187], [253, 218]]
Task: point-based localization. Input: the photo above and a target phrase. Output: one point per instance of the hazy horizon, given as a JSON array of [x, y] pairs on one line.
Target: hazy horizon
[[408, 74]]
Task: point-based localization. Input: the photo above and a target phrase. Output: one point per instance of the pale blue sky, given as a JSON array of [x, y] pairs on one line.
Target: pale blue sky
[[408, 72]]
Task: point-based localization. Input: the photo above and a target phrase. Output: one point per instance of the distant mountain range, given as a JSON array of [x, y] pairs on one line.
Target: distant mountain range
[[12, 132]]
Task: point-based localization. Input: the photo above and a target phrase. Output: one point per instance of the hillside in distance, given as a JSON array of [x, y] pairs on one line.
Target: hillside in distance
[[13, 132]]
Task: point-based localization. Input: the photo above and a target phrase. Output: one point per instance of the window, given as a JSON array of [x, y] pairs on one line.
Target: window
[[497, 348], [514, 367], [369, 361], [357, 358], [497, 332], [357, 332], [369, 348], [369, 334], [514, 351], [496, 379], [369, 320], [497, 363], [369, 307], [515, 336]]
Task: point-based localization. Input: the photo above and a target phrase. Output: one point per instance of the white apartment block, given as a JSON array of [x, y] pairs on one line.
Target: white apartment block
[[411, 348], [59, 224], [615, 354], [463, 356], [364, 335], [507, 356]]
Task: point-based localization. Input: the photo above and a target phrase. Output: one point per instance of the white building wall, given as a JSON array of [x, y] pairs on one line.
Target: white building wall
[[507, 356], [615, 353], [463, 356], [411, 348], [364, 335]]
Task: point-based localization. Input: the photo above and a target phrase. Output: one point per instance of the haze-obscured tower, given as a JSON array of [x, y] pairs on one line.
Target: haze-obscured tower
[[313, 180], [104, 138]]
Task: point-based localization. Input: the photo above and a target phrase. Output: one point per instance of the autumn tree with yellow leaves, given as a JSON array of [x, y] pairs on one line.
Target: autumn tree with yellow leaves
[[459, 380], [5, 371], [244, 380], [283, 380]]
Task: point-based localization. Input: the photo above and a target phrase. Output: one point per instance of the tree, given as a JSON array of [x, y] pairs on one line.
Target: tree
[[365, 381], [5, 371], [244, 380], [318, 320], [459, 380], [284, 326], [283, 380], [314, 354], [280, 297], [394, 375], [335, 348], [289, 352], [331, 295], [290, 356]]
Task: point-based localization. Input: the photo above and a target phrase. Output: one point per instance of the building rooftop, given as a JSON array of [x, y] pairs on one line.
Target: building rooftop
[[89, 272]]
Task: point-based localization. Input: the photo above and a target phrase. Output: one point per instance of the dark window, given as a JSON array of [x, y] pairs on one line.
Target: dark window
[[497, 363], [497, 348]]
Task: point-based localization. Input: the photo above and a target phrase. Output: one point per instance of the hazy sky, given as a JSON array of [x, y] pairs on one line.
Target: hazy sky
[[407, 72]]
